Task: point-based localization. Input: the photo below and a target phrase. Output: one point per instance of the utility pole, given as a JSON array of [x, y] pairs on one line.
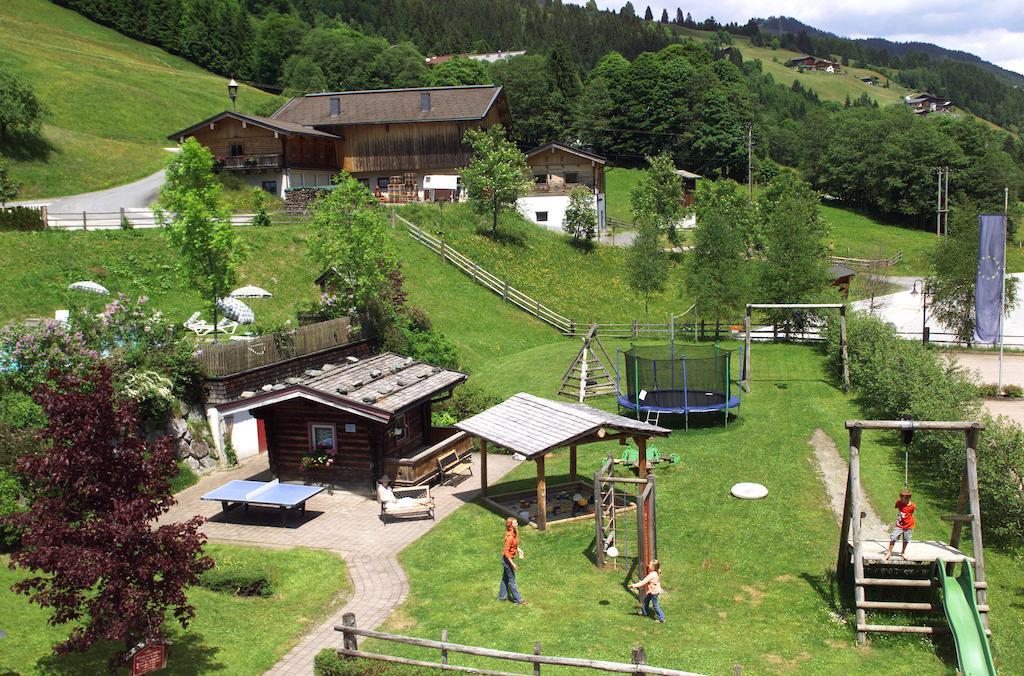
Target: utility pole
[[750, 160], [942, 201]]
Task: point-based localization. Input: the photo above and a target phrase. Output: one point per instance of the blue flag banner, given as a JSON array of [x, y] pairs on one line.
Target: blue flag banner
[[988, 289]]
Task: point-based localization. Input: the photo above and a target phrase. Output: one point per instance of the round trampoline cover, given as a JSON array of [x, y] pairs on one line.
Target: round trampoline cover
[[749, 491]]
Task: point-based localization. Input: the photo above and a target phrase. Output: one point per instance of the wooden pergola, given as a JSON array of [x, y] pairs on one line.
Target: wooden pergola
[[533, 427]]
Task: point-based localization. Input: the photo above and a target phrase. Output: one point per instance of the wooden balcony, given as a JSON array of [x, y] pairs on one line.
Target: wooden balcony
[[419, 465], [242, 162], [556, 188]]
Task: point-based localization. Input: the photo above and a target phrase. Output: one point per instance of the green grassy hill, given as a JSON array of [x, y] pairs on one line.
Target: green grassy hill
[[113, 100]]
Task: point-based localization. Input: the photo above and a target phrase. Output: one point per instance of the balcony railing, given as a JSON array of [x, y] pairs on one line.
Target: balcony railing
[[556, 188], [252, 162]]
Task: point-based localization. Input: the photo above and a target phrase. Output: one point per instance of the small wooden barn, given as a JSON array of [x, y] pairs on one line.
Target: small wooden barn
[[353, 422]]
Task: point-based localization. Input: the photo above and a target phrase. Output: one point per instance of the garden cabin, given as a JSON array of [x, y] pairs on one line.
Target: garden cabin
[[556, 169], [353, 422]]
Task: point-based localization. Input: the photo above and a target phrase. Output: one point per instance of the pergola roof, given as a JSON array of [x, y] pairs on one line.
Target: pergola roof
[[532, 426]]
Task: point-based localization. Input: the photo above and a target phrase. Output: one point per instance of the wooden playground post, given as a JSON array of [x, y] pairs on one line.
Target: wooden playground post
[[853, 491], [746, 351], [483, 467], [572, 463], [977, 550], [542, 496], [842, 345], [641, 456]]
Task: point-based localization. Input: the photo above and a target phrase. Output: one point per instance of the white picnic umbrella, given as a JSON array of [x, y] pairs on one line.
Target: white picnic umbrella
[[236, 310], [250, 292], [89, 287]]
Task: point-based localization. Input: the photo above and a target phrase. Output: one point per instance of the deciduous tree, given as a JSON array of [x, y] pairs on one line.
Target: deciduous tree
[[460, 70], [349, 233], [647, 265], [8, 186], [90, 535], [657, 198], [580, 219], [716, 274], [19, 107], [496, 176], [198, 225]]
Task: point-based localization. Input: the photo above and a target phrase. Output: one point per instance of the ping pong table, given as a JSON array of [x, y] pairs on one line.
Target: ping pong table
[[286, 497]]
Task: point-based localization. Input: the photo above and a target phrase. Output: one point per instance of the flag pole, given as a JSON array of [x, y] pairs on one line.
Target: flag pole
[[1002, 295]]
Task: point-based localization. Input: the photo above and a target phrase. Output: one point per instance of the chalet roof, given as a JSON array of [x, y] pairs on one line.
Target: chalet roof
[[554, 145], [532, 426], [376, 387], [280, 126], [392, 106], [839, 271]]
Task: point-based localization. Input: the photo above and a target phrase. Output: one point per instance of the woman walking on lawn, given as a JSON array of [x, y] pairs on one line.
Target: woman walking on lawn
[[652, 589], [509, 591]]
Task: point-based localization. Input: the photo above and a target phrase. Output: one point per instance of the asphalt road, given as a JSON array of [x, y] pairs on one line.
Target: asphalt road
[[137, 195]]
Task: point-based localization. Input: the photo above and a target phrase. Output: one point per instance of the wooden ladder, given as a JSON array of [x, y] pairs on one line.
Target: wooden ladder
[[587, 375]]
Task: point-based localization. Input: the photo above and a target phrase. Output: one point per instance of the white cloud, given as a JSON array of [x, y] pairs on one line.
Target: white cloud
[[992, 29]]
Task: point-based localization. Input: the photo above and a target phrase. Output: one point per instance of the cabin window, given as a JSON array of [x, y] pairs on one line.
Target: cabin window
[[323, 441], [400, 428], [269, 186], [236, 150], [382, 183], [424, 102], [540, 179], [364, 181], [542, 216], [572, 177]]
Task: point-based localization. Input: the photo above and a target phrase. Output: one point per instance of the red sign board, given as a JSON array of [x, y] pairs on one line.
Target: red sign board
[[150, 657]]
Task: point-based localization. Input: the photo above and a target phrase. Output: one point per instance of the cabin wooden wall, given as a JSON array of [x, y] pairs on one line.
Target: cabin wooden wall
[[254, 140], [418, 420], [287, 428], [312, 153], [406, 147], [555, 162]]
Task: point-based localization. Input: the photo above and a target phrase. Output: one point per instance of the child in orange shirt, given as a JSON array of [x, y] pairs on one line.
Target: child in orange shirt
[[652, 590], [904, 523]]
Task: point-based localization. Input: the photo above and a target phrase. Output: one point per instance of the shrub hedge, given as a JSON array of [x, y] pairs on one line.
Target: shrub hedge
[[238, 578], [328, 663], [892, 377], [23, 219]]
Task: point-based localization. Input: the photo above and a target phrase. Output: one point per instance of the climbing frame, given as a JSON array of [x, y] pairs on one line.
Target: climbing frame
[[588, 376]]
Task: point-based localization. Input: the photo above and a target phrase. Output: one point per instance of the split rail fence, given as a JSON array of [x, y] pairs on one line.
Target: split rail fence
[[867, 263], [350, 648], [136, 218]]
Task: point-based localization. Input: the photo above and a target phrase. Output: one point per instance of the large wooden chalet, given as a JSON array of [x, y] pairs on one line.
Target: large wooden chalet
[[353, 422], [374, 135]]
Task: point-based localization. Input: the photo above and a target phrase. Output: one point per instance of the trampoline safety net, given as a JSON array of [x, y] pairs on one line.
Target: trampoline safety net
[[677, 378]]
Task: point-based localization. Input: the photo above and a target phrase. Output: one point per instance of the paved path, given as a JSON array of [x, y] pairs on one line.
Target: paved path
[[136, 195], [986, 366], [346, 523]]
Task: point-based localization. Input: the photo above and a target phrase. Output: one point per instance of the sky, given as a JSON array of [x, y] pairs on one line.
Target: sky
[[992, 29]]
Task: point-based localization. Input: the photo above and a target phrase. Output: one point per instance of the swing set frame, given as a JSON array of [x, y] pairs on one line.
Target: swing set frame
[[745, 380]]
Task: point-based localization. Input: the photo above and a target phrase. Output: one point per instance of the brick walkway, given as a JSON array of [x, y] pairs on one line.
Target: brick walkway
[[346, 522]]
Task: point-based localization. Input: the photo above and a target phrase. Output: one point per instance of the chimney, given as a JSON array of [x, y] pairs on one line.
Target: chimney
[[424, 102], [335, 106]]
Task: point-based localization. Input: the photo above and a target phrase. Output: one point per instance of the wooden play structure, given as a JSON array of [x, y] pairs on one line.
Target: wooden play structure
[[617, 513], [588, 376], [794, 306], [927, 563], [535, 427]]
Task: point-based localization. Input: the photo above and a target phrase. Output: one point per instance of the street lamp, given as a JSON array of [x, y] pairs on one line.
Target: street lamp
[[233, 92], [924, 308]]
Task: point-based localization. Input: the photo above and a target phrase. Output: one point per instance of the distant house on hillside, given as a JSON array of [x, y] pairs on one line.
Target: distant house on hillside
[[412, 136], [489, 57], [925, 103], [556, 170], [868, 79], [814, 63]]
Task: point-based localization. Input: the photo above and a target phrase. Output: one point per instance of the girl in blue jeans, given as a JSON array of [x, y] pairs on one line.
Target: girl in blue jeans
[[652, 589]]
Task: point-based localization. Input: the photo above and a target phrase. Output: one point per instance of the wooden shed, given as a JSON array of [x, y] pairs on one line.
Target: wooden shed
[[353, 422], [533, 427]]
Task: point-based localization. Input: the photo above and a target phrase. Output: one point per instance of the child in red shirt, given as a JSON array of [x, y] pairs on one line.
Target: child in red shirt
[[904, 523]]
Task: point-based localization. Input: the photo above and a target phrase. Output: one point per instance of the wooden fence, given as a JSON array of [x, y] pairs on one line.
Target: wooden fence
[[867, 263], [350, 632], [138, 218], [236, 356]]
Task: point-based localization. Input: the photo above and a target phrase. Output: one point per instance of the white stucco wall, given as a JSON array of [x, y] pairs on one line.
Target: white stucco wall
[[555, 205], [245, 435]]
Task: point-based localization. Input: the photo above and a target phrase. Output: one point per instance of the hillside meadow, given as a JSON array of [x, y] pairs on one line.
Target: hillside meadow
[[112, 100]]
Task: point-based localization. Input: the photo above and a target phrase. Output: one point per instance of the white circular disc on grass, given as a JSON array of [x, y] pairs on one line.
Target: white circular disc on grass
[[749, 491], [613, 551]]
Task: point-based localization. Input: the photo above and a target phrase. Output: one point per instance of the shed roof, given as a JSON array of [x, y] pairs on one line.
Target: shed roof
[[533, 426], [392, 106], [840, 271], [281, 126], [687, 174], [377, 387]]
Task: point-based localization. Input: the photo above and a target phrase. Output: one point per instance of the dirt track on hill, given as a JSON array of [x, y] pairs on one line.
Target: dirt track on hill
[[833, 471]]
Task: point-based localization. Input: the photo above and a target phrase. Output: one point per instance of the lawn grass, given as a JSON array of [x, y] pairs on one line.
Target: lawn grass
[[585, 285], [230, 635], [618, 184], [113, 100]]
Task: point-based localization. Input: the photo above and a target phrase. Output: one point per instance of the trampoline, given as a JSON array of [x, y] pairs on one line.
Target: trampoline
[[676, 379]]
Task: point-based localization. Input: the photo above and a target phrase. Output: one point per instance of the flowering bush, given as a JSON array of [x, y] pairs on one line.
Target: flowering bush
[[152, 392], [28, 356], [322, 457], [124, 325]]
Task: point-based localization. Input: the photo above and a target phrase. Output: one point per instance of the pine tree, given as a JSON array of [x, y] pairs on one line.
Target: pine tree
[[664, 16], [648, 15], [679, 16]]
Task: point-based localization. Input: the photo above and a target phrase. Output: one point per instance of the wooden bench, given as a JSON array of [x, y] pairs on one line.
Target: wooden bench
[[450, 466], [410, 501]]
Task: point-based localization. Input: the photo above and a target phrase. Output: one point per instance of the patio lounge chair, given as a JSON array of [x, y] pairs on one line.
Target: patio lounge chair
[[227, 326], [411, 501], [200, 327]]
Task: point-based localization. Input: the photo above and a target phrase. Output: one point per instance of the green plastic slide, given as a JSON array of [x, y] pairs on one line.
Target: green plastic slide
[[959, 602]]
